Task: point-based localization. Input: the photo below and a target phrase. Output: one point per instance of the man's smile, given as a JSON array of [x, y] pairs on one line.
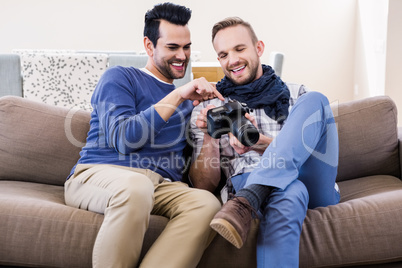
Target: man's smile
[[239, 69], [178, 65]]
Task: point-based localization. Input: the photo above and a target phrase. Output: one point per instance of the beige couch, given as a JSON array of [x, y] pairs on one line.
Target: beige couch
[[40, 143]]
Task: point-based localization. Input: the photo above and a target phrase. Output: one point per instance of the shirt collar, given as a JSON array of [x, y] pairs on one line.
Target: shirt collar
[[145, 70]]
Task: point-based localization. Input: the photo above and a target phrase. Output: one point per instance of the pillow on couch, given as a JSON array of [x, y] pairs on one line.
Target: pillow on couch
[[39, 142], [62, 79]]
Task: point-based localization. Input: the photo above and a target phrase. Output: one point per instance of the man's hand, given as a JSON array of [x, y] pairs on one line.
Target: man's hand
[[252, 119], [237, 145], [199, 90], [259, 147], [201, 121]]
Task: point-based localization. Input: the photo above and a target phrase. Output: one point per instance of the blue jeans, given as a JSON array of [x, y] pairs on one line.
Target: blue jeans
[[301, 163]]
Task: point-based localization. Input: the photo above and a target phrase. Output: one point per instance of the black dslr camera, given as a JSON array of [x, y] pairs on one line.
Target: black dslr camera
[[230, 118]]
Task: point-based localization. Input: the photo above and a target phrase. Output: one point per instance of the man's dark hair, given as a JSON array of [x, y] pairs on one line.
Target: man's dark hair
[[176, 14]]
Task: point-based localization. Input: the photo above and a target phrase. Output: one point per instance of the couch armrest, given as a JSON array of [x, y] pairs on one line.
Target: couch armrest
[[400, 148]]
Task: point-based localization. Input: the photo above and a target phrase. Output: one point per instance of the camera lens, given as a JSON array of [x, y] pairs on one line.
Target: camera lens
[[245, 132]]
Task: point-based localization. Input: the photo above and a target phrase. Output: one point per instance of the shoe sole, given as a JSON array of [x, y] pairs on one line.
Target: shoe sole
[[227, 231]]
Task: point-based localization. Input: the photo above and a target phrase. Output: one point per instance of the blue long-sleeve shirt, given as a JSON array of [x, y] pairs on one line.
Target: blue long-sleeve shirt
[[125, 128]]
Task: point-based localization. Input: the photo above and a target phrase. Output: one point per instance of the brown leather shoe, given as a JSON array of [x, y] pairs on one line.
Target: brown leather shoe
[[233, 221]]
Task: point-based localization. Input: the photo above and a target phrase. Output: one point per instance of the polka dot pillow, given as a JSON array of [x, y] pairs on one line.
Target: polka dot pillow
[[62, 78]]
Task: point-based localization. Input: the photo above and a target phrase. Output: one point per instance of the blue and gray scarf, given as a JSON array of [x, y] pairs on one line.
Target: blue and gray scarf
[[268, 92]]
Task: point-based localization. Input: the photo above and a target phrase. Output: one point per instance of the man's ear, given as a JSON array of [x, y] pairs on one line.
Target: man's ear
[[149, 46], [260, 48]]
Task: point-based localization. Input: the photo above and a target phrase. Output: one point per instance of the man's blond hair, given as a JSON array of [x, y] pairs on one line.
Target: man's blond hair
[[230, 22]]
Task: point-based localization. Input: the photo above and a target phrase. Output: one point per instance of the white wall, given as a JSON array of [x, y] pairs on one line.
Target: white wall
[[393, 77], [370, 52], [316, 36]]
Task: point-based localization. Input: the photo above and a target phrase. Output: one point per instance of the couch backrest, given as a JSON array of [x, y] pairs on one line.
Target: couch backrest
[[10, 75], [368, 138], [18, 81], [39, 142]]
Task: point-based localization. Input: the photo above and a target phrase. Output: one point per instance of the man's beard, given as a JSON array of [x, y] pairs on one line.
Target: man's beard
[[251, 78], [167, 70]]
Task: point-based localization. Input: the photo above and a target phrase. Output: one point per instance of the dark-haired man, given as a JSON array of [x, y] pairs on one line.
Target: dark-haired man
[[293, 165], [133, 157]]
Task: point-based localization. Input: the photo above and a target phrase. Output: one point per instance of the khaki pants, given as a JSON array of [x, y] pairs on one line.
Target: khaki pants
[[127, 197]]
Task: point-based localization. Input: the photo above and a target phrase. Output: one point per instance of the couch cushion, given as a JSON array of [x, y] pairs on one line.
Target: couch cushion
[[222, 254], [362, 229], [38, 230], [368, 138], [39, 142]]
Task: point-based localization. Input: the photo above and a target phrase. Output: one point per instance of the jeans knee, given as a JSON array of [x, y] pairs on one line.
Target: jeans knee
[[316, 97]]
